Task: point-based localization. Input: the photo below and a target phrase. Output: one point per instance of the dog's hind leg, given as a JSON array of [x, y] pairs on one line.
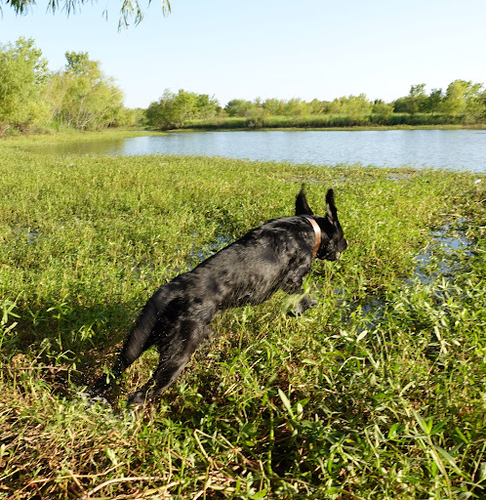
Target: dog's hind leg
[[173, 358], [141, 337]]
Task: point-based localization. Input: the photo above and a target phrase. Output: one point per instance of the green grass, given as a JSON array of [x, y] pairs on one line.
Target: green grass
[[331, 121], [378, 392]]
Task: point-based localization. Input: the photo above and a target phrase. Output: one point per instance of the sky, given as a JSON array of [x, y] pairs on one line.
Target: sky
[[268, 48]]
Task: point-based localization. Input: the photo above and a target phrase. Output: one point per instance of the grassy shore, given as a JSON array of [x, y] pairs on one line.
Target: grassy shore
[[378, 392]]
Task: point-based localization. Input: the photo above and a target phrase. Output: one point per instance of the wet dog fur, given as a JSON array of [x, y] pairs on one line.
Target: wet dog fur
[[275, 256]]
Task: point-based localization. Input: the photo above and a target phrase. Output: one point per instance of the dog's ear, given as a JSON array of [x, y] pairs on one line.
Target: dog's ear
[[331, 208], [301, 205]]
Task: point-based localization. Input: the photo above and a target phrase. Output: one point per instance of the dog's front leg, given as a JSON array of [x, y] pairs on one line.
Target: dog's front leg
[[294, 286]]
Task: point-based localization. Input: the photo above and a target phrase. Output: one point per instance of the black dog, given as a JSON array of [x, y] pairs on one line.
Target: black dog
[[274, 256]]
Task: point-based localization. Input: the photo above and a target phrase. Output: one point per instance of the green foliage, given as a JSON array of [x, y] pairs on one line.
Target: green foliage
[[82, 98], [356, 107], [174, 110], [463, 102], [380, 108], [78, 97], [465, 99], [295, 107], [377, 392], [238, 107], [23, 75], [416, 98]]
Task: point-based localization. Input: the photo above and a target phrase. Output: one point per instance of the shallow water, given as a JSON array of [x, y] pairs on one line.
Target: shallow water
[[447, 253], [444, 255]]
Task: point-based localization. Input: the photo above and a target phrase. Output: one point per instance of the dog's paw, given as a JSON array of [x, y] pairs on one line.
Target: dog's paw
[[306, 303], [137, 398]]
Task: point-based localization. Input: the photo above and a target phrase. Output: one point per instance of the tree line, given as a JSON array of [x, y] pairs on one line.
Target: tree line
[[80, 96], [463, 102]]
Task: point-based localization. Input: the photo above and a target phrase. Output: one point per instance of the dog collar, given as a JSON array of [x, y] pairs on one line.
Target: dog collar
[[317, 231]]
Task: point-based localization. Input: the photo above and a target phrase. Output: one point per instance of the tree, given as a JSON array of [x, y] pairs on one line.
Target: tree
[[295, 107], [238, 107], [317, 107], [274, 107], [206, 106], [173, 110], [382, 109], [82, 97], [464, 98], [434, 101], [129, 9], [416, 98], [23, 74], [356, 107]]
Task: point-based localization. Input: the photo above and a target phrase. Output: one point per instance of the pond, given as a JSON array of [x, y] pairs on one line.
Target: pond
[[449, 149]]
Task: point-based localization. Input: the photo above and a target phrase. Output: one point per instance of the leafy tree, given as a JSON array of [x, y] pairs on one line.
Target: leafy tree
[[416, 98], [82, 97], [170, 112], [415, 101], [316, 107], [295, 107], [129, 9], [206, 106], [173, 110], [238, 107], [23, 74], [381, 108], [356, 107], [274, 107], [434, 100], [464, 98]]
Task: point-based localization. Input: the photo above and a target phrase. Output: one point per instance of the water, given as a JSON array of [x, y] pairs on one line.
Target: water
[[449, 149]]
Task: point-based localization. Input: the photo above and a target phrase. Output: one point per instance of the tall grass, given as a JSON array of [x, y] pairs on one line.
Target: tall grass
[[378, 392], [328, 121]]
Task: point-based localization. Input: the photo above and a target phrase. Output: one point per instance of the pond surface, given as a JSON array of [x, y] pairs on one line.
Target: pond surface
[[450, 149]]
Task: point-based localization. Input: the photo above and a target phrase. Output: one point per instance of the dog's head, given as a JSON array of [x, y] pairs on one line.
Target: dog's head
[[332, 240]]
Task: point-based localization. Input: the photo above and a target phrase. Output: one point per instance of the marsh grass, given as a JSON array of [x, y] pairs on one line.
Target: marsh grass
[[378, 392], [329, 121]]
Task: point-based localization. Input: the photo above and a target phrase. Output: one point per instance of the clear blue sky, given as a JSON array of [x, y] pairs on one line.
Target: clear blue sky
[[269, 48]]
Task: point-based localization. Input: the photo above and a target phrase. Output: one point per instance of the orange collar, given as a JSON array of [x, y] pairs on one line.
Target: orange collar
[[317, 231]]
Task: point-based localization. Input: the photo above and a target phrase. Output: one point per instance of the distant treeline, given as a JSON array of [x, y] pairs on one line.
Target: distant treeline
[[463, 102], [81, 97]]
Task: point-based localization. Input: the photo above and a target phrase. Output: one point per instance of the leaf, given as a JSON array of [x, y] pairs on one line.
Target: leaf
[[111, 455], [286, 402], [259, 495], [450, 460], [426, 425]]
